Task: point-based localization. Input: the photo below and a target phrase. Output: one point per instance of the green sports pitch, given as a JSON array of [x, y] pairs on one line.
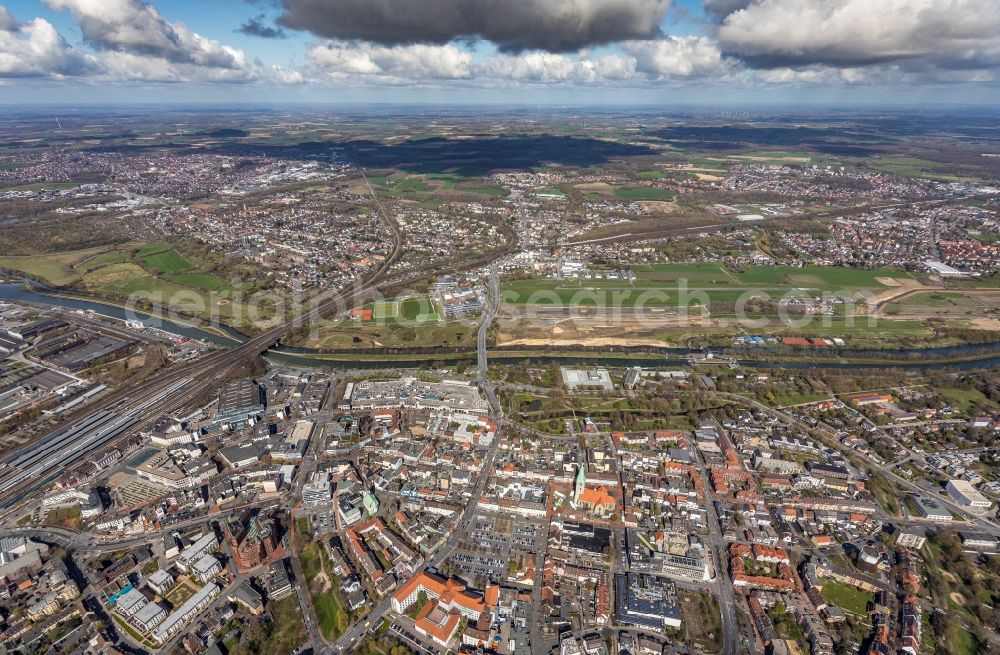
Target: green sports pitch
[[385, 309]]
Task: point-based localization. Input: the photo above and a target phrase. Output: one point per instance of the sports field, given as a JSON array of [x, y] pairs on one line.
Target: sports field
[[386, 309], [162, 259]]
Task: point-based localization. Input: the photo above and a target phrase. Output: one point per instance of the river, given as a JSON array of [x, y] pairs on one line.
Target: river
[[979, 355]]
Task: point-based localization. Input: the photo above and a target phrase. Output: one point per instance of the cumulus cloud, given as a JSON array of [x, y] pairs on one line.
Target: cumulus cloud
[[677, 56], [513, 25], [553, 68], [639, 63], [135, 27], [256, 27], [7, 22], [415, 62], [850, 33], [36, 49]]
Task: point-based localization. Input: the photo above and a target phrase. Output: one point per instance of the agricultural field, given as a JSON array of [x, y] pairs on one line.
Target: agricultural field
[[642, 193]]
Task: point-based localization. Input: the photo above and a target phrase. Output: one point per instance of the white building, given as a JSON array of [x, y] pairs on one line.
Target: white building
[[160, 581], [965, 494], [206, 568], [187, 611], [203, 546]]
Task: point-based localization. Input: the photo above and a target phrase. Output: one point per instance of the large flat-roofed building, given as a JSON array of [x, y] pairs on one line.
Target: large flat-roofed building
[[412, 393], [965, 494], [646, 601], [944, 270], [590, 378], [931, 509]]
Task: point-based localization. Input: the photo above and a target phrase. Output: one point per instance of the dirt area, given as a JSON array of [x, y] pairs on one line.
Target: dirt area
[[659, 206], [985, 323], [598, 187], [957, 598], [593, 327], [584, 341], [901, 287], [705, 177]]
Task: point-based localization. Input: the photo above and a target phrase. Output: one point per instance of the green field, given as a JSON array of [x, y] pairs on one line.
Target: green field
[[966, 400], [418, 309], [204, 281], [409, 185], [916, 167], [386, 309], [699, 273], [162, 259], [57, 269], [846, 597], [652, 175], [641, 193]]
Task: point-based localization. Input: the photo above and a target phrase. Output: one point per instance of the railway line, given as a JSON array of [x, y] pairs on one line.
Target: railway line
[[138, 407]]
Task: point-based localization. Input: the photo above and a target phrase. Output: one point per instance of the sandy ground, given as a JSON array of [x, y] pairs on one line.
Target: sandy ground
[[600, 187], [985, 323], [705, 177], [957, 598], [659, 206], [888, 281], [584, 341]]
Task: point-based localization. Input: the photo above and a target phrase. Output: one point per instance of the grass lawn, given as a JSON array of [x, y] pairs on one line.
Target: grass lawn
[[846, 597], [289, 629], [205, 281], [699, 273], [385, 309], [965, 400], [652, 175], [409, 185], [799, 398], [57, 269], [417, 309], [333, 618], [162, 259], [641, 193], [966, 643]]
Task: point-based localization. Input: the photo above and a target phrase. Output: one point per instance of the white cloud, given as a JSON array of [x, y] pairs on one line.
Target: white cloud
[[138, 28], [416, 63], [849, 33], [36, 49], [677, 56]]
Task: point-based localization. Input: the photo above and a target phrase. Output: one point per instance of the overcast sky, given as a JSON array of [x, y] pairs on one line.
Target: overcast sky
[[501, 51]]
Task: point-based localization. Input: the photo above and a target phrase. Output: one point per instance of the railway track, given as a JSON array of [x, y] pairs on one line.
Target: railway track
[[175, 389]]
